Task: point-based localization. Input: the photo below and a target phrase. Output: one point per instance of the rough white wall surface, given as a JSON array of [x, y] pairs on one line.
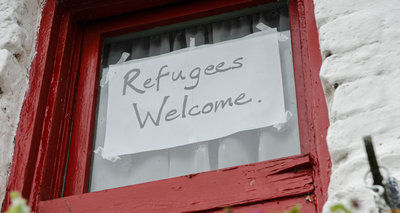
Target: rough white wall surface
[[360, 46], [18, 26]]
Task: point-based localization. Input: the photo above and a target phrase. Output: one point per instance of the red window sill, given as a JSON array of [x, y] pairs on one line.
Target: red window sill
[[252, 183]]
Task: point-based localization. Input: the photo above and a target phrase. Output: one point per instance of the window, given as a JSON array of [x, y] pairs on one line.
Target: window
[[54, 163], [236, 149]]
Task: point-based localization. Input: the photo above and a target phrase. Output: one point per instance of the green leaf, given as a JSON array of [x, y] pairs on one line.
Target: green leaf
[[340, 208], [295, 209], [18, 204]]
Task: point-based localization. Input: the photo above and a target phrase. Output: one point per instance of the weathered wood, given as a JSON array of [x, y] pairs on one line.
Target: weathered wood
[[305, 202], [209, 190], [28, 140], [311, 104], [40, 137]]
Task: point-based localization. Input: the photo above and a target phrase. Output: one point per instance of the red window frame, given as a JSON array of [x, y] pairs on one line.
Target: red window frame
[[65, 73]]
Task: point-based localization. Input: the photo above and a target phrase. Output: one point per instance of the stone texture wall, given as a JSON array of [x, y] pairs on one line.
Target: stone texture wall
[[18, 26], [360, 46]]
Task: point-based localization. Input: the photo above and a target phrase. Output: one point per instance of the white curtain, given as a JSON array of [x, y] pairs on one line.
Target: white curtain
[[237, 149]]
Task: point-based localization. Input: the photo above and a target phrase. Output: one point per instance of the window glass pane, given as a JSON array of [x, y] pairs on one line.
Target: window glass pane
[[236, 149]]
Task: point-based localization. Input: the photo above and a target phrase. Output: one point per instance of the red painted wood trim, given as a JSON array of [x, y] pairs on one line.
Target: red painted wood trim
[[301, 95], [27, 139], [319, 113], [59, 112], [50, 122], [274, 206], [209, 190], [85, 112], [41, 148], [307, 58], [93, 3], [169, 14], [44, 127], [90, 10]]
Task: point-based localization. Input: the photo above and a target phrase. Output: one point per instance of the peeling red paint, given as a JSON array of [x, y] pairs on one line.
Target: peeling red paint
[[229, 187], [43, 133]]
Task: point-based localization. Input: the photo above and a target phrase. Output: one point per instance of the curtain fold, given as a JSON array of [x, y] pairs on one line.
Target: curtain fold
[[191, 158], [237, 149]]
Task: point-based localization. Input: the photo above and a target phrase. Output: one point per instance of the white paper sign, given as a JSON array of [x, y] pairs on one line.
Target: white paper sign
[[195, 94]]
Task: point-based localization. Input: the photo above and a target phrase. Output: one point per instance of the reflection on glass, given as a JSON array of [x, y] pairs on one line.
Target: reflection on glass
[[237, 149]]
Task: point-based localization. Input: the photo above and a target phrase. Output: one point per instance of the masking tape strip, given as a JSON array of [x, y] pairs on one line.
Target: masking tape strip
[[100, 151], [192, 42], [263, 27], [107, 76]]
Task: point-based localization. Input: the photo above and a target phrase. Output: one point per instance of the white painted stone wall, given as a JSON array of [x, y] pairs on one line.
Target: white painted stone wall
[[360, 45], [18, 26]]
